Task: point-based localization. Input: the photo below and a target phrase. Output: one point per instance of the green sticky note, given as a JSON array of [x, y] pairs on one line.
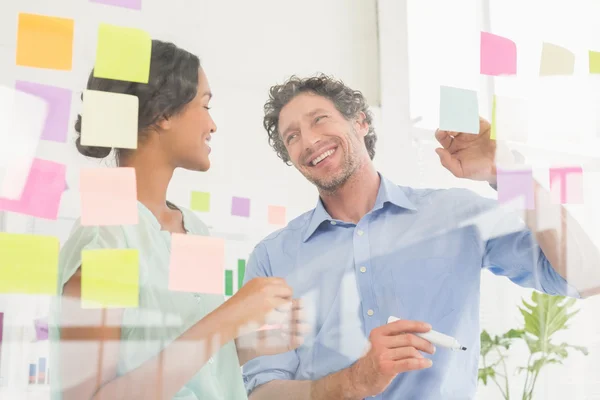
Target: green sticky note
[[110, 278], [241, 272], [594, 62], [28, 264], [228, 283], [123, 54], [200, 201]]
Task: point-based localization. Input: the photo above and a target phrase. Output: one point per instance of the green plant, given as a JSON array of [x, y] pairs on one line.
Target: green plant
[[543, 316]]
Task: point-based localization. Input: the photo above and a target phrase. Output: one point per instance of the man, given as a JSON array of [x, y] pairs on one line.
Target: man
[[372, 249]]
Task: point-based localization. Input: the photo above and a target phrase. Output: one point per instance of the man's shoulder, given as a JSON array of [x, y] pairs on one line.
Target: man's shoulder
[[294, 229]]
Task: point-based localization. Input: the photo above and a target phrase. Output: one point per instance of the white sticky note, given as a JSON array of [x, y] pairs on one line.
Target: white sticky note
[[22, 117], [459, 110], [109, 120]]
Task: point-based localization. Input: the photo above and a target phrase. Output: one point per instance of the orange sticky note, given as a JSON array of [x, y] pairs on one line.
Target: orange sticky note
[[276, 215], [45, 42], [108, 196], [197, 264]]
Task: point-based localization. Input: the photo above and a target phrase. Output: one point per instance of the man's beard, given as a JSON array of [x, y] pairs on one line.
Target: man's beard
[[332, 183]]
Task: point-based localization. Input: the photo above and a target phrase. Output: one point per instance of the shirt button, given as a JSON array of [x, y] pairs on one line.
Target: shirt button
[[333, 222], [370, 313], [360, 233], [363, 269], [211, 361]]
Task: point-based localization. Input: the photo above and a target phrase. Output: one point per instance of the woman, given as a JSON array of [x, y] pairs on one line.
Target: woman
[[175, 344]]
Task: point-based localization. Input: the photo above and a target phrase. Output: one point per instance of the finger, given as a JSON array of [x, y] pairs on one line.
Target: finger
[[444, 137], [404, 326], [282, 291], [412, 364], [401, 353], [409, 340], [452, 164]]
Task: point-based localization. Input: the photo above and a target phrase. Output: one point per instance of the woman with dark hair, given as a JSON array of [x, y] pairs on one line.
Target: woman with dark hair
[[174, 344]]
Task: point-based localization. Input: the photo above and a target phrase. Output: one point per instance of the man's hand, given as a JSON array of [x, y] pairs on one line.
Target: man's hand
[[469, 156], [394, 349]]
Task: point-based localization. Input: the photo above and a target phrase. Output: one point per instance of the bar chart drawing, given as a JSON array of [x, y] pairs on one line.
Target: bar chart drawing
[[241, 271]]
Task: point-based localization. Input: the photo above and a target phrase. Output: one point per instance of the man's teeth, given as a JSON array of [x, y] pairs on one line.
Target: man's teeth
[[322, 157]]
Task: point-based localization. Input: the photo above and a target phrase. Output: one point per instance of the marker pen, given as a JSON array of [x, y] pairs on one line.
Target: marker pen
[[436, 338]]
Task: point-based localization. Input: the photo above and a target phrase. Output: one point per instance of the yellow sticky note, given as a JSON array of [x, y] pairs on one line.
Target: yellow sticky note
[[110, 278], [28, 264], [45, 42], [556, 60], [200, 201], [594, 62], [493, 132], [109, 120], [123, 54]]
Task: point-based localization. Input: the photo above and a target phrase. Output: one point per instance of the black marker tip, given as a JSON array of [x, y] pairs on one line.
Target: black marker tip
[[463, 348]]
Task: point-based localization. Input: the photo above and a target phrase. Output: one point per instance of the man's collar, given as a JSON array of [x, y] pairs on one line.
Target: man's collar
[[388, 193]]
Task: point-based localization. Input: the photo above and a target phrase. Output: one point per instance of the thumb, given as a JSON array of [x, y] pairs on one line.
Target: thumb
[[449, 162]]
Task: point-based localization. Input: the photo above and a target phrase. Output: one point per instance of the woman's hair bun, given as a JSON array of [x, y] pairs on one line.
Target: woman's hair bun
[[89, 151]]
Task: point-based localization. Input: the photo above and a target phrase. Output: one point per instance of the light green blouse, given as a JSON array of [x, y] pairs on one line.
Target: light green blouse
[[162, 315]]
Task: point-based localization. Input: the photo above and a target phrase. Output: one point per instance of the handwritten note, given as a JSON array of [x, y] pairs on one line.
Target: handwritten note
[[498, 55], [197, 264], [459, 110], [123, 54], [29, 264], [110, 278], [41, 328], [109, 120], [23, 116], [108, 196], [277, 215], [566, 185], [515, 185], [240, 206], [132, 4], [58, 99], [556, 60], [200, 201], [45, 42], [43, 191]]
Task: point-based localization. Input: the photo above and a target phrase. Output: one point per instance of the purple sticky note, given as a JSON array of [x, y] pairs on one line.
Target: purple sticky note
[[41, 329], [56, 125], [240, 206], [515, 184], [133, 4]]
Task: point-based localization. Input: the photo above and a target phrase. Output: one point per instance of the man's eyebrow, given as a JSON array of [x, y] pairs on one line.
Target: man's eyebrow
[[288, 129], [314, 112]]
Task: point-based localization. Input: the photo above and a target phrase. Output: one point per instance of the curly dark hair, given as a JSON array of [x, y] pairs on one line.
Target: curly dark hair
[[347, 101]]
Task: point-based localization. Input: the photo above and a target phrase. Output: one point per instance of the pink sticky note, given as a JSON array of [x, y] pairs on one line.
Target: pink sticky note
[[42, 193], [498, 55], [133, 4], [566, 185], [41, 329], [108, 196], [197, 264], [56, 125], [515, 184], [240, 206], [276, 215]]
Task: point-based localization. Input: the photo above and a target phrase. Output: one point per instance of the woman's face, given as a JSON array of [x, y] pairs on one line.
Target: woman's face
[[189, 133]]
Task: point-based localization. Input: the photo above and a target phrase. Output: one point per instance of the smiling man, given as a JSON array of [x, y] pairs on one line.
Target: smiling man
[[371, 249]]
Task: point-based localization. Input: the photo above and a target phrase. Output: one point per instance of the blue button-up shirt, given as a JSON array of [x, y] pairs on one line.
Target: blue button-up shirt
[[416, 255]]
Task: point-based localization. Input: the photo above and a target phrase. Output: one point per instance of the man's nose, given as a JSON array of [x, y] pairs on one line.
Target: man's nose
[[310, 137]]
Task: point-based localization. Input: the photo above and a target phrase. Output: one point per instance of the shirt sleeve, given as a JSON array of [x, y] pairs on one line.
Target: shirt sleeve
[[510, 250], [261, 370]]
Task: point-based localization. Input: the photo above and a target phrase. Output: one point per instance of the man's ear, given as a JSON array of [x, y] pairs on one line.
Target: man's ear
[[362, 127]]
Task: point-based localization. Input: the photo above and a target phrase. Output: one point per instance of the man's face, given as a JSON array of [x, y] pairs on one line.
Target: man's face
[[325, 147]]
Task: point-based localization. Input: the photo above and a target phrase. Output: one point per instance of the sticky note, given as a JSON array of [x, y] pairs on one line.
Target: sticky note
[[515, 184], [123, 54], [108, 196], [109, 120], [556, 60], [510, 119], [58, 99], [197, 264], [110, 278], [276, 215], [594, 62], [29, 264], [498, 55], [41, 328], [45, 42], [240, 206], [23, 117], [42, 193], [133, 4], [200, 201], [566, 185], [459, 110]]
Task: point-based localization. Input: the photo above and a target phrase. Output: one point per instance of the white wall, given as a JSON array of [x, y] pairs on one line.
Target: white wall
[[245, 47]]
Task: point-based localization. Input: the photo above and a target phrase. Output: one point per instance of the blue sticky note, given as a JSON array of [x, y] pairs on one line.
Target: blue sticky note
[[459, 110]]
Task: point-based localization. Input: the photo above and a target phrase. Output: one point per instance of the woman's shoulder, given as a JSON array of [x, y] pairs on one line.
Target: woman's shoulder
[[193, 224]]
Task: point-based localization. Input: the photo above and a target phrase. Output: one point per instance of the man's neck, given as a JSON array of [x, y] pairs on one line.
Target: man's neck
[[356, 197]]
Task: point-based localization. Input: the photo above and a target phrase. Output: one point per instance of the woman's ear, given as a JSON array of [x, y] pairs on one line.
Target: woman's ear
[[164, 124]]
